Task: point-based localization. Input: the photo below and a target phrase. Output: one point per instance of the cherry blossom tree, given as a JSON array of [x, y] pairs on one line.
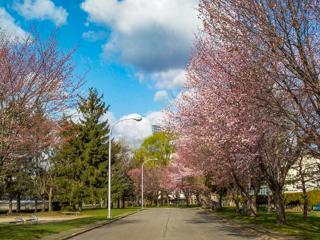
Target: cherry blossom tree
[[177, 179], [225, 129], [281, 40], [218, 127], [37, 84], [276, 84], [151, 183], [34, 75]]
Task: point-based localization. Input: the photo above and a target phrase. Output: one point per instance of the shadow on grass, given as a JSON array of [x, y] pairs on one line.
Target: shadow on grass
[[173, 206], [36, 231], [31, 232], [296, 226], [202, 217]]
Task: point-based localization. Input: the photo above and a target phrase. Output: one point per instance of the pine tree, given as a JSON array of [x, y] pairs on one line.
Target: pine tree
[[82, 161], [93, 136], [70, 190]]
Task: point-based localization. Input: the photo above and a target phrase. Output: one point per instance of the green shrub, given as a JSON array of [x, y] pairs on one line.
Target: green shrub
[[314, 197], [68, 208], [297, 197]]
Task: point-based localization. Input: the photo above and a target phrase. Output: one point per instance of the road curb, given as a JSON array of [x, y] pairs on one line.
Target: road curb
[[88, 228]]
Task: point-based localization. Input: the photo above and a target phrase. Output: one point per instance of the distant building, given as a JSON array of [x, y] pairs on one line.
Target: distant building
[[310, 168], [156, 129]]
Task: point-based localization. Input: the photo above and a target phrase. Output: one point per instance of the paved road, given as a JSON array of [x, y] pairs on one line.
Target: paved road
[[167, 224]]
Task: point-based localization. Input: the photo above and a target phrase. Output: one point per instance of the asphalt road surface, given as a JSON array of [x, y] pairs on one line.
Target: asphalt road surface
[[168, 224]]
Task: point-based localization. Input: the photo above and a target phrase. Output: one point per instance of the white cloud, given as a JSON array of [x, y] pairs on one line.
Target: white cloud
[[135, 132], [156, 118], [160, 96], [75, 116], [94, 36], [9, 26], [151, 35], [132, 132], [173, 78], [109, 116], [42, 10]]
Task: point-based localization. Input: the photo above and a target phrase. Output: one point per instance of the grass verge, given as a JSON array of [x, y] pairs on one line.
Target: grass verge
[[31, 232], [296, 226]]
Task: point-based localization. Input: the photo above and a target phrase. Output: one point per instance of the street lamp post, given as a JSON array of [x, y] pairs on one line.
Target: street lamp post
[[137, 119], [142, 198]]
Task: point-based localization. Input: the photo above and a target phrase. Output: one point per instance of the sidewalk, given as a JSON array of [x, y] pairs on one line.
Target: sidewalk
[[77, 231]]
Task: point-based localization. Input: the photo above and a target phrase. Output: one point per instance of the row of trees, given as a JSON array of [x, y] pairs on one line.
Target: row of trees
[[44, 153], [250, 107], [48, 155], [37, 83], [165, 180], [73, 171]]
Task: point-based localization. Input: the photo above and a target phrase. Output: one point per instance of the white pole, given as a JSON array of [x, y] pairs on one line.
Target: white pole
[[142, 186], [109, 179], [137, 119]]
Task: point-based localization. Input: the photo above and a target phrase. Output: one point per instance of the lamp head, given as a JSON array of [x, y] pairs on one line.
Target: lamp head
[[138, 119]]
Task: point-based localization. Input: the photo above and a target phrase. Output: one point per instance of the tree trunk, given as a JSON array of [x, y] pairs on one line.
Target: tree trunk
[[245, 207], [209, 201], [304, 190], [161, 196], [269, 203], [187, 198], [10, 205], [253, 205], [123, 202], [50, 200], [43, 204], [279, 205], [177, 199], [305, 201], [36, 205], [80, 206], [237, 203], [118, 202], [198, 199], [18, 203], [220, 201]]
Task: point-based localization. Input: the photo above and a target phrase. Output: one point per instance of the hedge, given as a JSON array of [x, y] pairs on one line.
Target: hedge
[[297, 197]]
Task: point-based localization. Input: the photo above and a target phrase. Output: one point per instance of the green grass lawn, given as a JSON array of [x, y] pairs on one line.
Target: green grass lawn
[[305, 229], [30, 232]]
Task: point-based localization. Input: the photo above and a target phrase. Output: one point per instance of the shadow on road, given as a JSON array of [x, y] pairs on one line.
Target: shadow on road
[[239, 231], [128, 221], [224, 225]]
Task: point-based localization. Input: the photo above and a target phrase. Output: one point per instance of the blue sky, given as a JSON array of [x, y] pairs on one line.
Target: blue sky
[[135, 51]]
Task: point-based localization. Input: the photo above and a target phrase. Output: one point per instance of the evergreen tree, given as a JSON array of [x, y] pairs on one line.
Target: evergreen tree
[[93, 136], [66, 164], [82, 161]]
